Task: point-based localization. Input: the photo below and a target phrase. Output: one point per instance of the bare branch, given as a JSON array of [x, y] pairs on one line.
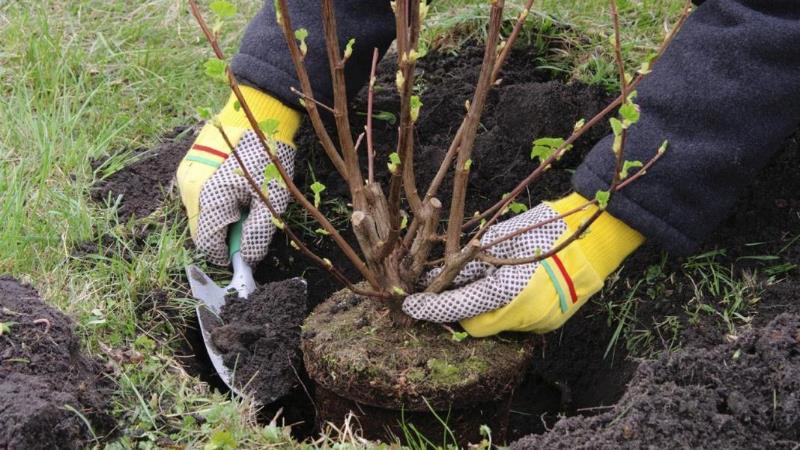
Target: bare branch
[[370, 101]]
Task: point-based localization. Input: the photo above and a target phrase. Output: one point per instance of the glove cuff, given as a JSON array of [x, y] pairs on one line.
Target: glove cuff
[[263, 107], [607, 242]]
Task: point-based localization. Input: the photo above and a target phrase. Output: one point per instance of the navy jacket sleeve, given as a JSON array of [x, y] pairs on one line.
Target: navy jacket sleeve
[[725, 95]]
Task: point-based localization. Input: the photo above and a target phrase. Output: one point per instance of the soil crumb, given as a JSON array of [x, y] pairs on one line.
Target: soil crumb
[[143, 184], [45, 379], [744, 394], [260, 338]]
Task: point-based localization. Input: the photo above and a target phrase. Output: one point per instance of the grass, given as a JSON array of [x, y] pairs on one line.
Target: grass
[[91, 79]]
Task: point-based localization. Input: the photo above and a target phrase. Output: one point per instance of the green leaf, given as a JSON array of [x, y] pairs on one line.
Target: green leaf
[[278, 223], [602, 198], [271, 173], [517, 207], [221, 440], [627, 166], [317, 189], [205, 113], [321, 231], [215, 68], [404, 222], [398, 290], [416, 104], [301, 34], [400, 80], [544, 148], [468, 164], [459, 336], [223, 9], [385, 116], [630, 113], [237, 106], [579, 124], [394, 162], [348, 49], [5, 327], [269, 127], [616, 126]]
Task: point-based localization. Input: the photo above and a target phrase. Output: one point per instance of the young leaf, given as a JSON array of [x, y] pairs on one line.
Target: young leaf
[[237, 106], [205, 113], [348, 49], [5, 327], [385, 116], [459, 336], [578, 125], [517, 207], [271, 173], [627, 166], [215, 68], [543, 148], [321, 231], [468, 164], [223, 9], [317, 189], [404, 222], [616, 126], [301, 34], [394, 162], [278, 223], [398, 290], [269, 127], [629, 113], [400, 80], [416, 104], [602, 198]]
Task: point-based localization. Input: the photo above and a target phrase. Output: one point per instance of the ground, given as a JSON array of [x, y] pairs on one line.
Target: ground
[[88, 84]]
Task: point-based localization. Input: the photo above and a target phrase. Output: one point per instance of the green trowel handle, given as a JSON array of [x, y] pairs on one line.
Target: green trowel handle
[[235, 235]]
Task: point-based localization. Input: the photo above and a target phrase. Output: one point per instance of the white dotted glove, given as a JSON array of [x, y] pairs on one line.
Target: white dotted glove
[[227, 193], [481, 287]]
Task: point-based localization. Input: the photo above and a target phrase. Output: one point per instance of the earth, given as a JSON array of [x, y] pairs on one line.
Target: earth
[[701, 379]]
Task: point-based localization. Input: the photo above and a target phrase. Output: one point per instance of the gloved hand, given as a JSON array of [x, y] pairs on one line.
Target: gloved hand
[[211, 185], [537, 297]]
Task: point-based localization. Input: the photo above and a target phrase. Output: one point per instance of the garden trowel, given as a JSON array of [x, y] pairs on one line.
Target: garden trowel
[[211, 297]]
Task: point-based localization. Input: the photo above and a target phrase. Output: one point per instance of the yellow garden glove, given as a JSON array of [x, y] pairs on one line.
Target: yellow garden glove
[[213, 190], [537, 297]]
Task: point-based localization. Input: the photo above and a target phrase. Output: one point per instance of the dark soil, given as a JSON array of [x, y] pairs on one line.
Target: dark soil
[[744, 394], [143, 184], [45, 378], [260, 339], [352, 350]]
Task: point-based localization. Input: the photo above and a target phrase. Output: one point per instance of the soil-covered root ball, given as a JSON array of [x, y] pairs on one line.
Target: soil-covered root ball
[[260, 338], [47, 385], [387, 375]]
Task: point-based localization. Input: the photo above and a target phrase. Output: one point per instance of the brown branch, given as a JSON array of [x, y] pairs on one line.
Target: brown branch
[[310, 99], [619, 153], [340, 112], [501, 59], [453, 266], [370, 101], [471, 123], [305, 85]]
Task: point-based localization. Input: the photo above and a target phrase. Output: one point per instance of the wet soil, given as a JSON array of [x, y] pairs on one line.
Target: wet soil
[[260, 338], [744, 394], [141, 187], [361, 362], [46, 382]]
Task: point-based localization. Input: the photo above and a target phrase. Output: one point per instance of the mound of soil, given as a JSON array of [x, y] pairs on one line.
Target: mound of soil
[[744, 394], [260, 338], [142, 185], [46, 382]]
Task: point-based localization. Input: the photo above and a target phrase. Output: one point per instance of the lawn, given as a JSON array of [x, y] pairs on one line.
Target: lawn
[[93, 80]]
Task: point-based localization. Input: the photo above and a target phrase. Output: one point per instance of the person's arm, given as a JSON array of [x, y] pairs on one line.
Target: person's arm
[[725, 94], [264, 62]]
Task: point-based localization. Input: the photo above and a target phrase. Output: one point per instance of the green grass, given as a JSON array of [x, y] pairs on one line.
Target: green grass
[[90, 79]]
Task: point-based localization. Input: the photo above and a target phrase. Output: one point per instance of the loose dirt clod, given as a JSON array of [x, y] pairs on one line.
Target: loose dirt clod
[[45, 378], [260, 340], [744, 394]]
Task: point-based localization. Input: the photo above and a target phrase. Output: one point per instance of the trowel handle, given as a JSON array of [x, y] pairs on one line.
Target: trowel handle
[[242, 280]]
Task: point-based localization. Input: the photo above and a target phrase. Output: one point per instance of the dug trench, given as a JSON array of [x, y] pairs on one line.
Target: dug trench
[[572, 373]]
